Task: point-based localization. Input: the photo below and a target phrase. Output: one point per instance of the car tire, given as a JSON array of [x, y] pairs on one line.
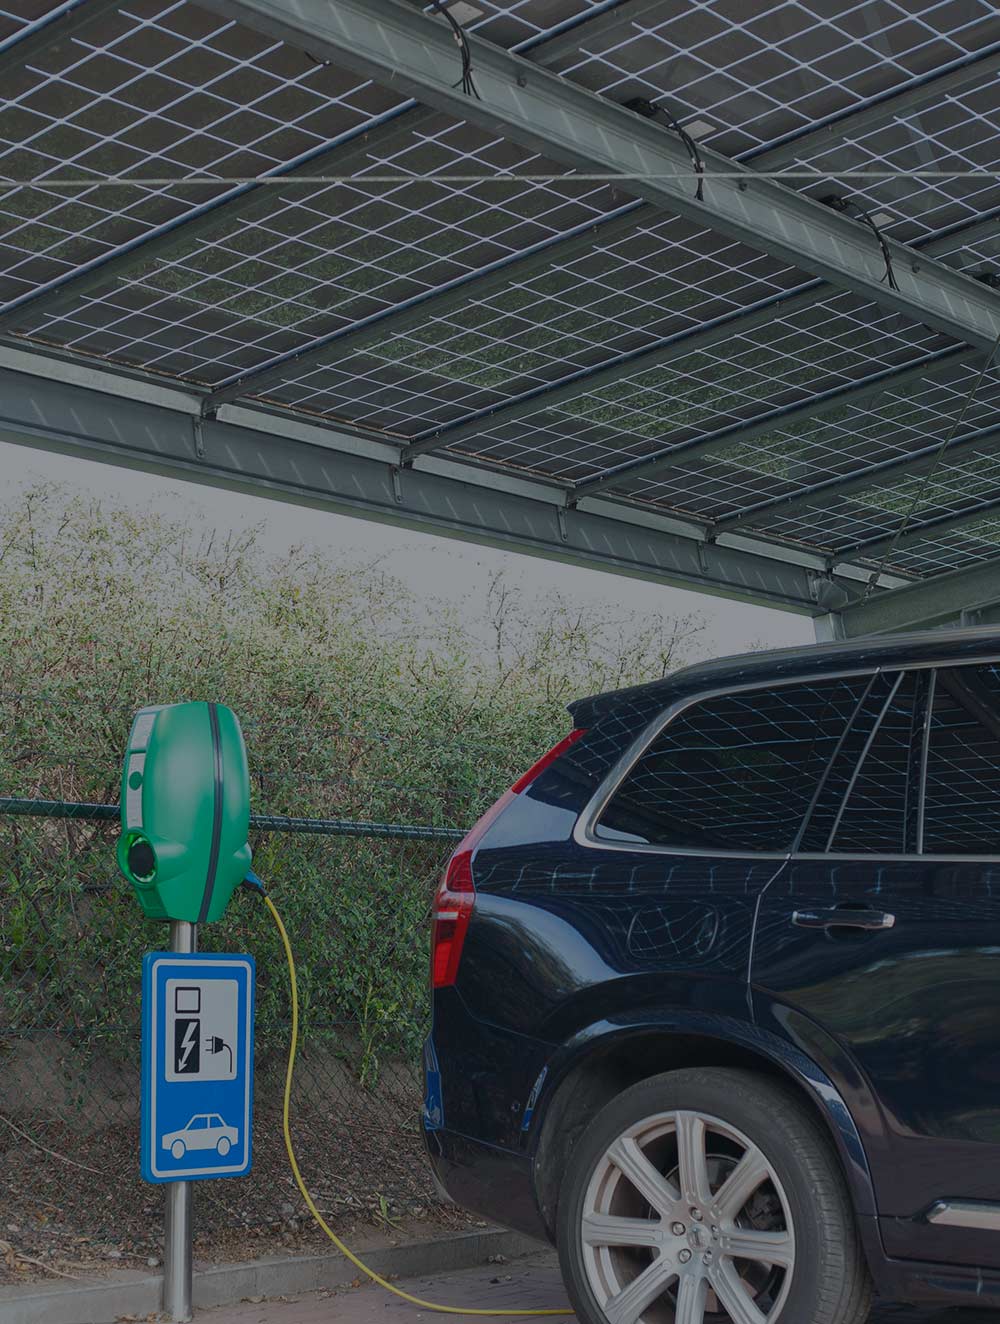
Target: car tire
[[613, 1228], [178, 1149], [224, 1145]]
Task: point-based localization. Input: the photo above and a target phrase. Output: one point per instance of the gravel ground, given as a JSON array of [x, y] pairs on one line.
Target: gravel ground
[[72, 1203]]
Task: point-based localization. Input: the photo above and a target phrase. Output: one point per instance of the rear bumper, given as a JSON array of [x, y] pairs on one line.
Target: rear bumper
[[487, 1180]]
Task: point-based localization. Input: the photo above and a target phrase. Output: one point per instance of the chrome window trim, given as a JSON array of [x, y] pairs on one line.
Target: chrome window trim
[[583, 831]]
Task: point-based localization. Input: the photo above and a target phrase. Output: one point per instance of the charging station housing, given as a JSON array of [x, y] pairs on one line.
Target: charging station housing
[[185, 810]]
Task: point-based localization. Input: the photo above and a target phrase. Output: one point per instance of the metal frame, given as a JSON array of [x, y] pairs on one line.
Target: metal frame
[[439, 303], [251, 451], [943, 599], [359, 471], [402, 48]]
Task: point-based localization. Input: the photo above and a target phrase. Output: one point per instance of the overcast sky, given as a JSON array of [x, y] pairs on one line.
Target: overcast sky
[[431, 566]]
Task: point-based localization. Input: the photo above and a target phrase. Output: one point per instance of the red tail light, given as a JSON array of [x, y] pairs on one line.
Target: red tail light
[[456, 895], [545, 761]]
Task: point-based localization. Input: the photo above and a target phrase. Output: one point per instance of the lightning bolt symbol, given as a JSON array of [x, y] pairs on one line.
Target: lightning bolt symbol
[[187, 1043]]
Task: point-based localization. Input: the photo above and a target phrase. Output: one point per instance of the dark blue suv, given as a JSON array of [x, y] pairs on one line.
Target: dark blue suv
[[717, 990]]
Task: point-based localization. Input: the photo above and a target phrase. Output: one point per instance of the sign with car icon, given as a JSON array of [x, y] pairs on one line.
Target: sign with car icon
[[204, 1131], [197, 1065]]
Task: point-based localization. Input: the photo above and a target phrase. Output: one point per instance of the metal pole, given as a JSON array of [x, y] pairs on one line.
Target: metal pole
[[177, 1218]]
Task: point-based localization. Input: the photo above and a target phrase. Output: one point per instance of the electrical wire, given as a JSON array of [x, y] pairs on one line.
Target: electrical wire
[[651, 110], [497, 177], [846, 205], [296, 1173], [921, 491], [465, 82], [890, 275]]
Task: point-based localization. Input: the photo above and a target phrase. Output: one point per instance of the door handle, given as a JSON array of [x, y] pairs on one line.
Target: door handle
[[874, 921]]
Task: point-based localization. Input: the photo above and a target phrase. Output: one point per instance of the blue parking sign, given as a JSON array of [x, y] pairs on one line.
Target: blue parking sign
[[197, 1065]]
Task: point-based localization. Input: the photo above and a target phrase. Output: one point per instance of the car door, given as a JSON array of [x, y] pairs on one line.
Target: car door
[[878, 952]]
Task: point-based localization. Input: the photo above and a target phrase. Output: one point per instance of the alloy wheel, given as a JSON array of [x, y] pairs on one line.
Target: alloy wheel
[[685, 1222]]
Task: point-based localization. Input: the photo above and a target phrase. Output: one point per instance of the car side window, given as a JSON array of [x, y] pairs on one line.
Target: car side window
[[961, 812], [736, 771], [878, 811]]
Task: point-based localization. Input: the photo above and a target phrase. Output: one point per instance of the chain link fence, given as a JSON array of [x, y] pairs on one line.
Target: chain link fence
[[355, 897]]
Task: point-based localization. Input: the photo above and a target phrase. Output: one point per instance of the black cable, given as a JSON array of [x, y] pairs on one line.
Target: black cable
[[650, 110], [918, 497], [690, 144], [462, 41], [846, 205]]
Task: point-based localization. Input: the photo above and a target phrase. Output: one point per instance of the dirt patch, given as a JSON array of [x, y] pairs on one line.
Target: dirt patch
[[74, 1203]]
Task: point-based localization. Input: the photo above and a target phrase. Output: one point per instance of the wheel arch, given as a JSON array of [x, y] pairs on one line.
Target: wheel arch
[[603, 1060]]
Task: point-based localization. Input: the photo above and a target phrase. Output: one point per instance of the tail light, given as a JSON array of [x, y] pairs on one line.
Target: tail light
[[456, 896]]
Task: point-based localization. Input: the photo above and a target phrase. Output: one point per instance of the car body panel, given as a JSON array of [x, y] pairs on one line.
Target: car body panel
[[913, 1011]]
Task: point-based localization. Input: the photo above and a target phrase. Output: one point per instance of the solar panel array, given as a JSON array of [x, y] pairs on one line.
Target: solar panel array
[[548, 325]]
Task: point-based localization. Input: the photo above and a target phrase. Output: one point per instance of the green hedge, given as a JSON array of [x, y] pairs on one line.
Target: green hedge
[[357, 700]]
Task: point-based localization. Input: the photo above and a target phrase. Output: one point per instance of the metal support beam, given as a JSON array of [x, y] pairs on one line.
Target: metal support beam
[[931, 602], [988, 614], [51, 32], [842, 485], [738, 433], [402, 48], [252, 451], [347, 154], [657, 356], [478, 285]]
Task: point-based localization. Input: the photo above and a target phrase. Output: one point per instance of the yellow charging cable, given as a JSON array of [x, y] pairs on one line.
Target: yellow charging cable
[[311, 1203]]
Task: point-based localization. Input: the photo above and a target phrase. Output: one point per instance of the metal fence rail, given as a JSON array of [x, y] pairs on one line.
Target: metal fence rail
[[355, 897]]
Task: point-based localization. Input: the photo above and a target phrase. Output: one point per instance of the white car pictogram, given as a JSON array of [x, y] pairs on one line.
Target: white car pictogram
[[203, 1131]]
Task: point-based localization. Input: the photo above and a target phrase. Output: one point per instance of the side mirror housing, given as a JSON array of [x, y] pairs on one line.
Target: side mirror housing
[[185, 810]]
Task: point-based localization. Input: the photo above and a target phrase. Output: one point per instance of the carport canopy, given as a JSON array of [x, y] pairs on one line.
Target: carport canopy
[[702, 293]]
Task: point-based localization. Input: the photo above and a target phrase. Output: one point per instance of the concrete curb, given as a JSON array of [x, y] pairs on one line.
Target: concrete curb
[[136, 1294]]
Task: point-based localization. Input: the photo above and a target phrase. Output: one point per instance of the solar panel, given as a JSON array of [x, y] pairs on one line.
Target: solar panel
[[321, 259], [571, 366], [752, 75], [158, 90], [787, 462], [654, 283]]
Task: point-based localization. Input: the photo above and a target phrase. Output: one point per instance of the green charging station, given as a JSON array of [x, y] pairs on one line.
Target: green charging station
[[185, 810]]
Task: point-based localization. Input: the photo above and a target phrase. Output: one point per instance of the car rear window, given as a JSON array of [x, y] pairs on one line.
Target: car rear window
[[734, 771]]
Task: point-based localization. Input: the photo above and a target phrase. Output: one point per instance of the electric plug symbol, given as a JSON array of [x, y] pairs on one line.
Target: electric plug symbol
[[215, 1044]]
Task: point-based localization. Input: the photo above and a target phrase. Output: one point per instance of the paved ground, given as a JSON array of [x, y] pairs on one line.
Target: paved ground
[[525, 1283]]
